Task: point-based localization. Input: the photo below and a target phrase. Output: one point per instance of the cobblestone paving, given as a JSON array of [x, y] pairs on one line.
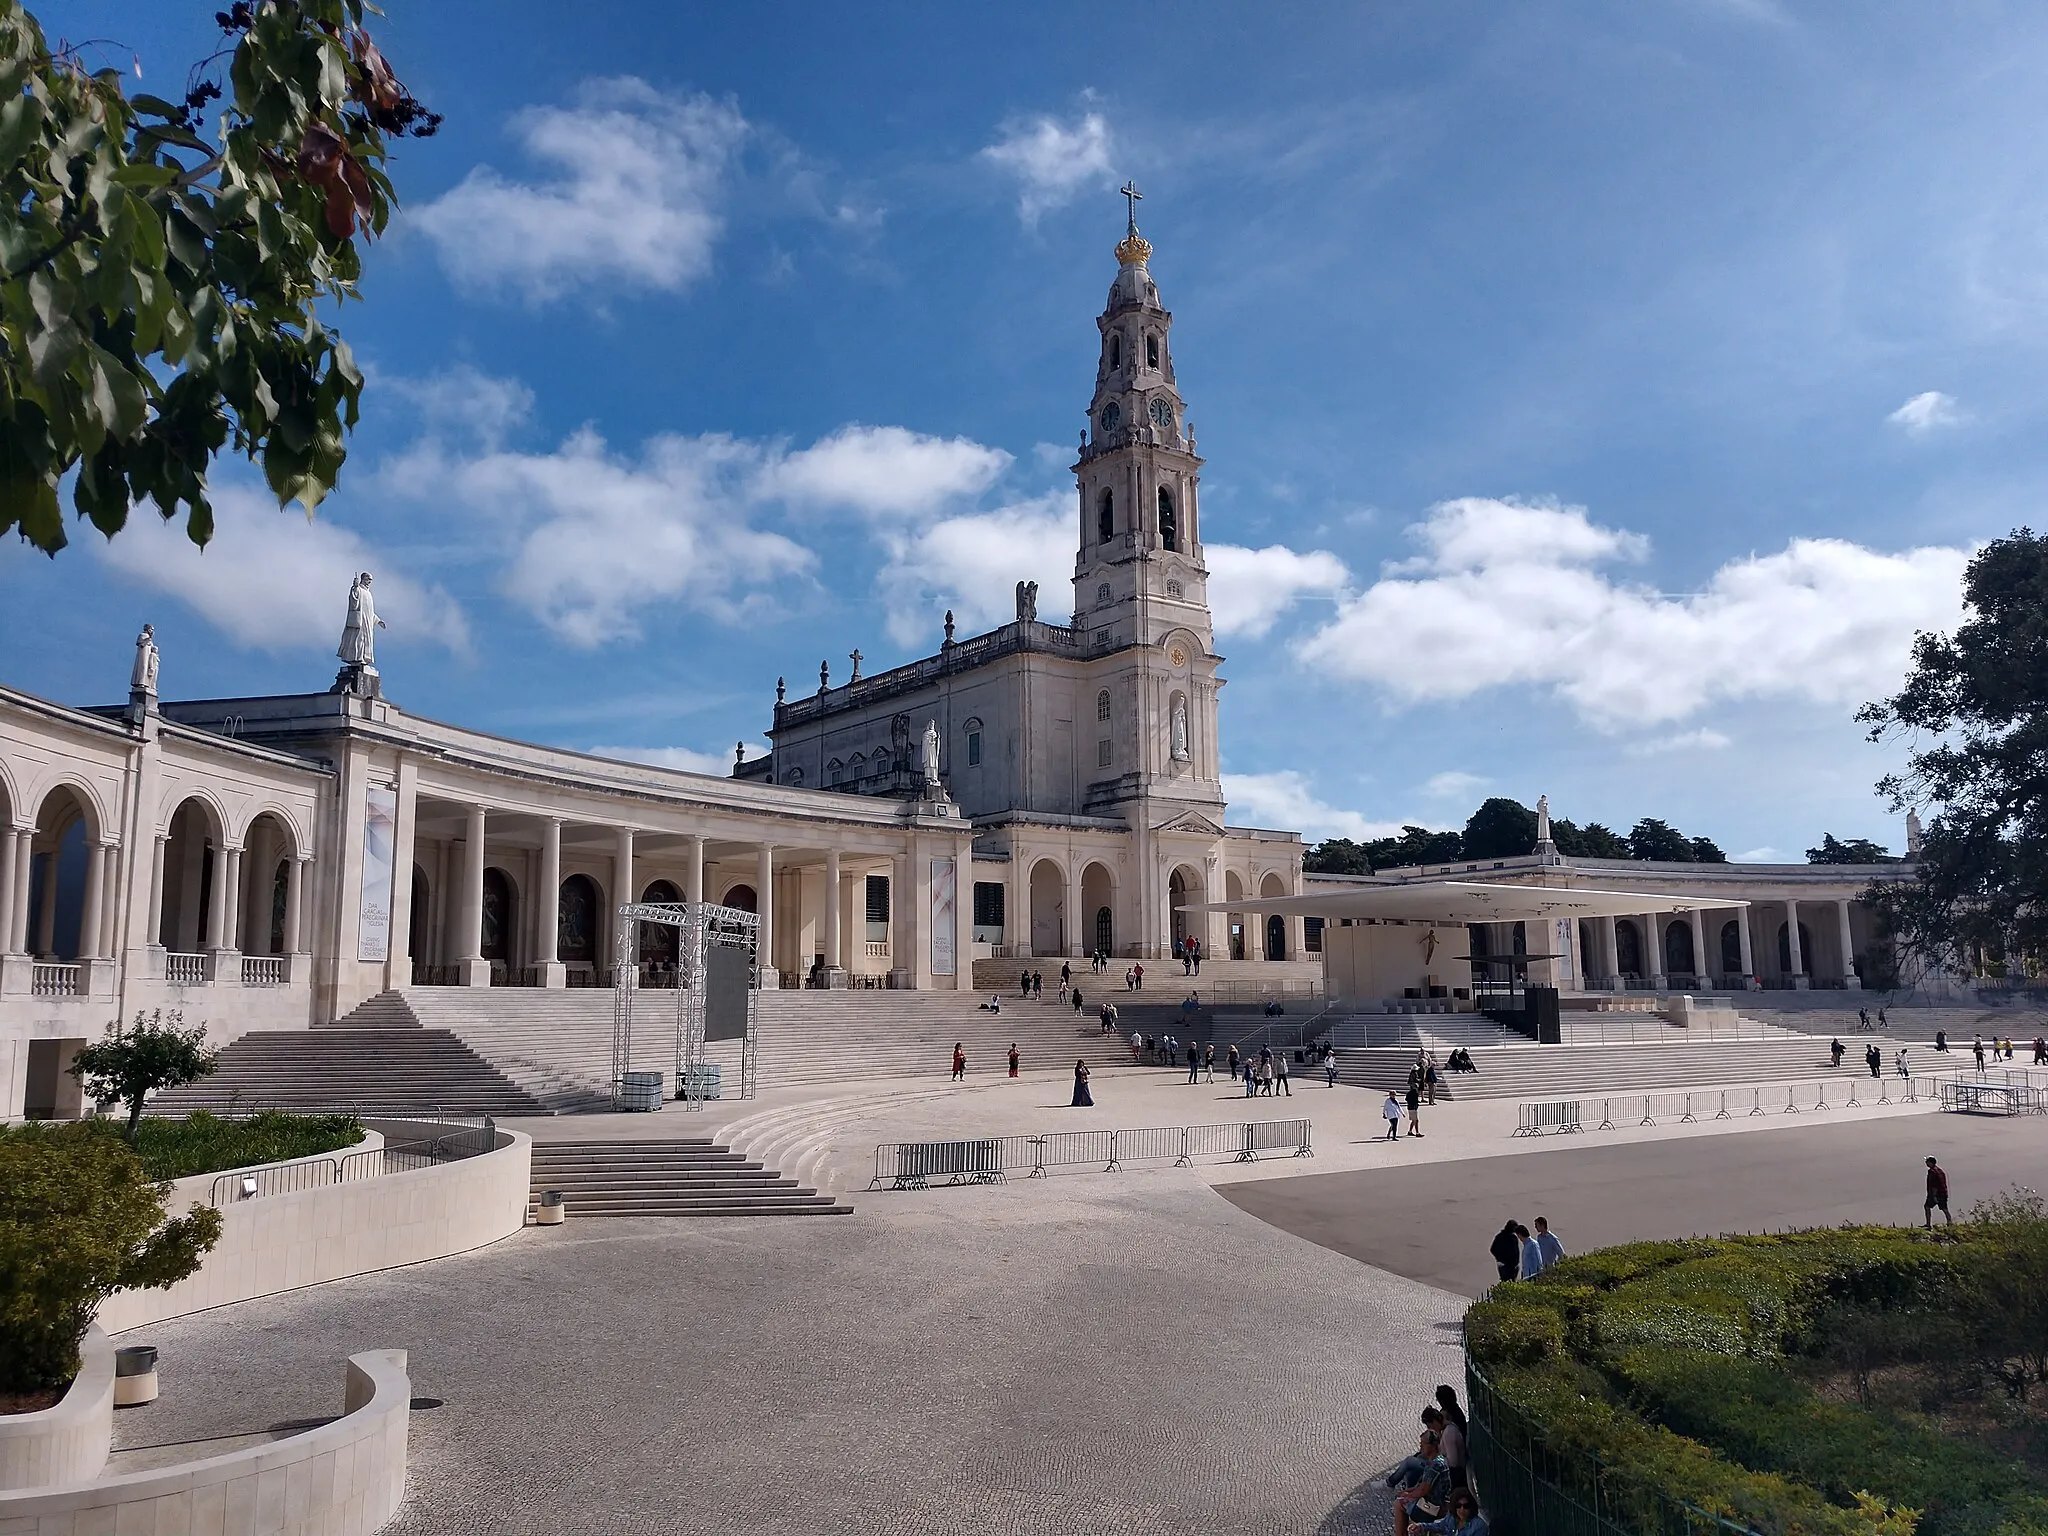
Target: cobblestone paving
[[1127, 1357]]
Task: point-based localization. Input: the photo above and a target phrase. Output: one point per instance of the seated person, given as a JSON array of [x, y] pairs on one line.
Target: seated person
[[1461, 1519], [1425, 1498]]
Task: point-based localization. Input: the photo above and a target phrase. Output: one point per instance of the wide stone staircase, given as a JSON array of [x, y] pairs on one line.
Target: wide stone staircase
[[379, 1067], [685, 1177]]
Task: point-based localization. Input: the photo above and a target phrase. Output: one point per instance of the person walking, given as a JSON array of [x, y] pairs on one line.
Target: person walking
[[1024, 985], [959, 1063], [1233, 1063], [2040, 1050], [1066, 973], [1196, 946], [1280, 1082], [1506, 1248], [1977, 1050], [1941, 1040], [1038, 986], [1391, 1110], [1077, 1002], [1138, 978], [1209, 1062], [1835, 1051], [1531, 1255], [1083, 1099], [1194, 1064], [1548, 1248], [1013, 1058], [1430, 1078], [1330, 1066], [1414, 1109], [1937, 1194], [1874, 1059], [1902, 1063]]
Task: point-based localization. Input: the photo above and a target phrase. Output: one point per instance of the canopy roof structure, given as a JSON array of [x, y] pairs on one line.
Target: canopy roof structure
[[1468, 901]]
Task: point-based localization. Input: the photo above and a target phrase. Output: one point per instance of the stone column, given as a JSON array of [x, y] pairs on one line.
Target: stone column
[[903, 925], [1017, 911], [764, 904], [9, 852], [1702, 968], [547, 929], [694, 892], [1653, 946], [1849, 977], [1073, 930], [835, 958], [1796, 971], [24, 856], [89, 907], [476, 970], [217, 902], [294, 883], [153, 930], [1254, 933], [1748, 953], [625, 936]]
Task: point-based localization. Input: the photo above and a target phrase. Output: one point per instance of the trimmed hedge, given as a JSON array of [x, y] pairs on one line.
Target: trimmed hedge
[[1682, 1369], [204, 1143]]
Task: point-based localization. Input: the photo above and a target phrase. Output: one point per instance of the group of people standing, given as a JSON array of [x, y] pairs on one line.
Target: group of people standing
[[1520, 1254], [1424, 1076]]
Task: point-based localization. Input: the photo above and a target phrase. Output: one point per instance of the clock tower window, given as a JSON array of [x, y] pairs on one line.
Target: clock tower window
[[1151, 351], [1169, 525], [1105, 518], [1116, 351]]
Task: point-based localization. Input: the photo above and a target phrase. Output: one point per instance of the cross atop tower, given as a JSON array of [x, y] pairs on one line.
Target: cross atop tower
[[1132, 196]]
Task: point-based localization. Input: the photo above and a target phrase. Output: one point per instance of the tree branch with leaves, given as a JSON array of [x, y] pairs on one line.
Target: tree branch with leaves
[[161, 294]]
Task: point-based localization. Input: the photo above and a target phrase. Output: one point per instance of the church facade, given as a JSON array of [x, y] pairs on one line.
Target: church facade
[[1086, 754]]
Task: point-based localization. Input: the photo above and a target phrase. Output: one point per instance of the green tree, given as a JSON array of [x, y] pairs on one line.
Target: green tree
[[81, 1220], [1500, 829], [1415, 845], [1706, 851], [1337, 856], [1654, 839], [1592, 841], [1857, 850], [160, 294], [129, 1065], [1974, 707]]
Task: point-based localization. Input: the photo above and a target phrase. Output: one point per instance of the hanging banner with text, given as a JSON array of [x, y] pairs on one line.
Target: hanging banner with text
[[943, 923], [1564, 950], [380, 828]]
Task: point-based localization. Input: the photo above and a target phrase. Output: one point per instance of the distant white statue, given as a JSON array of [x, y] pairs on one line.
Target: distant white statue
[[931, 754], [359, 636], [1180, 731], [1913, 834], [1542, 820], [143, 678]]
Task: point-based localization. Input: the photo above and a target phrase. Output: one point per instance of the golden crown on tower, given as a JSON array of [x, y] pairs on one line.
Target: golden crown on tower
[[1134, 247]]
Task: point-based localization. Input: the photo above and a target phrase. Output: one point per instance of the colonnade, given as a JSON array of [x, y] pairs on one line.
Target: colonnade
[[1603, 970]]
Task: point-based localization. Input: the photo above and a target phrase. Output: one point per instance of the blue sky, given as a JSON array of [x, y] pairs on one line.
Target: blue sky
[[1595, 397]]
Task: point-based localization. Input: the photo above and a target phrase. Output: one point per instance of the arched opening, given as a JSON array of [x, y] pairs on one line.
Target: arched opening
[[1169, 525], [267, 849], [1098, 897], [1785, 951], [1731, 949], [1151, 350], [1182, 889], [185, 909], [740, 898], [1678, 959], [1276, 937], [500, 913], [1628, 948], [1233, 892], [660, 943], [576, 926], [1116, 351], [1102, 705], [1105, 517], [1048, 908], [60, 853], [416, 929]]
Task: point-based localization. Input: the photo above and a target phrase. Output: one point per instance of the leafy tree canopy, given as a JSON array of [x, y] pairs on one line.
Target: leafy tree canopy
[[1500, 829], [160, 292], [1857, 850], [129, 1065], [1975, 709], [1506, 829]]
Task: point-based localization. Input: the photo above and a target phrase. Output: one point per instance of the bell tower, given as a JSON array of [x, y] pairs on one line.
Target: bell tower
[[1139, 572]]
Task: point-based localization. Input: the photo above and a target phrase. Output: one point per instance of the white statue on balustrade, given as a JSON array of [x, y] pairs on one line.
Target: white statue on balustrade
[[931, 754], [143, 679]]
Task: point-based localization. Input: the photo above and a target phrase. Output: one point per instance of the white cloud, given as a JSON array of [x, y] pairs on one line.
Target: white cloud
[[1763, 855], [684, 759], [277, 580], [633, 197], [885, 472], [1701, 740], [1454, 785], [1250, 588], [466, 401], [1926, 412], [1052, 160], [1506, 593], [972, 564], [1286, 800], [599, 536]]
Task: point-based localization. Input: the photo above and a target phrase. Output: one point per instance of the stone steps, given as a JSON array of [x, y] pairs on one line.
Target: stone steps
[[687, 1177], [373, 1069]]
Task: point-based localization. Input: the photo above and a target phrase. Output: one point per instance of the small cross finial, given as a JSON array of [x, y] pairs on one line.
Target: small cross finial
[[856, 657], [1133, 197]]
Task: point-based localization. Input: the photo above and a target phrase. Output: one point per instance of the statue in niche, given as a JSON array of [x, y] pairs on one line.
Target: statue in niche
[[899, 742], [931, 754], [143, 679], [1027, 602], [1180, 730]]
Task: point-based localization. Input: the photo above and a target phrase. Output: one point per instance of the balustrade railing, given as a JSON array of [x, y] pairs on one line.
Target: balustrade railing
[[262, 970], [56, 980], [186, 970]]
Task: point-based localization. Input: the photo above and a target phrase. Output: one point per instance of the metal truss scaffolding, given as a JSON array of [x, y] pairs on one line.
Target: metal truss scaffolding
[[716, 995]]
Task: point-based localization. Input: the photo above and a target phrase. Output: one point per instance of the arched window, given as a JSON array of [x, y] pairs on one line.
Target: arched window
[[1175, 589], [1116, 350], [833, 771], [1169, 525], [1102, 593], [973, 743], [1731, 950], [1104, 932], [1105, 518], [796, 776], [1102, 705], [1151, 351], [497, 915]]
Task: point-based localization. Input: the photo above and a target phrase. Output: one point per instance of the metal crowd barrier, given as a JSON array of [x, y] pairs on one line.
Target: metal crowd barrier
[[319, 1172], [1963, 1096], [1560, 1118], [987, 1160], [1818, 1097]]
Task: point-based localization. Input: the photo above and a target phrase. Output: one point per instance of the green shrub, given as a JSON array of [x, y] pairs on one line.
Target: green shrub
[[80, 1220], [130, 1064], [203, 1143]]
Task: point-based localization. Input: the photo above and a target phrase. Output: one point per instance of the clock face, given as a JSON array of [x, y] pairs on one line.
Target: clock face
[[1162, 413], [1112, 417]]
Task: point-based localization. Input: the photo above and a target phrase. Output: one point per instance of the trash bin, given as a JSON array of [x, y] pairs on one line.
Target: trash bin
[[640, 1090], [704, 1081], [552, 1209], [134, 1375]]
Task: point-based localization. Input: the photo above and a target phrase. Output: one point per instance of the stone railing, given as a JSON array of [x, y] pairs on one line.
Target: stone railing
[[1021, 635], [57, 980], [262, 970], [186, 970], [875, 951]]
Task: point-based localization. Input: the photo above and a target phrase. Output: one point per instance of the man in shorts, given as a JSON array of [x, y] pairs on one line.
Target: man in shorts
[[1937, 1193]]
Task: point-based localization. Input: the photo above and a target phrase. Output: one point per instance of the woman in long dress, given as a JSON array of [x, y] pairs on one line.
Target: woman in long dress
[[1083, 1099]]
